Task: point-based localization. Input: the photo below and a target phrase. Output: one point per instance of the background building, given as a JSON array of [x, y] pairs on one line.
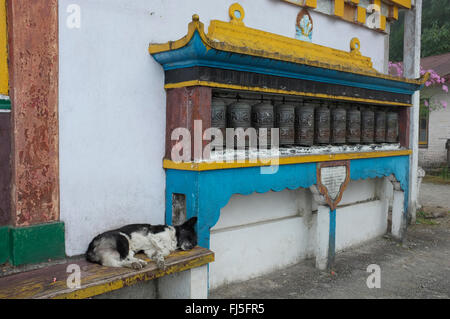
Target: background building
[[434, 129]]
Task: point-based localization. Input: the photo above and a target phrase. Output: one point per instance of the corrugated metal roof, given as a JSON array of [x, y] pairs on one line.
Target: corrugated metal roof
[[439, 63]]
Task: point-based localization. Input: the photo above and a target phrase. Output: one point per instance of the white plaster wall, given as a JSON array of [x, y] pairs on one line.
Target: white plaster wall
[[247, 252], [438, 130], [279, 229], [112, 101], [359, 223], [112, 121], [360, 190], [264, 207]]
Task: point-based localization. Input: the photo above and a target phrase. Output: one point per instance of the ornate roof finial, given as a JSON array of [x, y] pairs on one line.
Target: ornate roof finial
[[237, 14]]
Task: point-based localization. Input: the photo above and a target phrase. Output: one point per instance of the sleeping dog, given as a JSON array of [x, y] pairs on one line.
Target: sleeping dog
[[116, 248]]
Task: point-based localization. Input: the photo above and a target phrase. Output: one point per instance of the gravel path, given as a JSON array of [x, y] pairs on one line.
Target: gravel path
[[434, 195], [418, 269]]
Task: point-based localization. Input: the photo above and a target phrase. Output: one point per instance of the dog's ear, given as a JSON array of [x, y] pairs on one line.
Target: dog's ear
[[191, 222]]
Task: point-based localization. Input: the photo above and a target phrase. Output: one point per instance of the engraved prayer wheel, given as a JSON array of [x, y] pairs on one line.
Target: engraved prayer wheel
[[239, 116], [353, 126], [263, 118], [322, 124], [285, 120], [380, 126], [304, 123], [367, 126], [219, 119], [392, 127], [338, 124]]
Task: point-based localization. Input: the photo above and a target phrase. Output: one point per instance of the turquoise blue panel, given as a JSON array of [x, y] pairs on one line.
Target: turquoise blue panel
[[209, 191], [332, 239], [381, 167]]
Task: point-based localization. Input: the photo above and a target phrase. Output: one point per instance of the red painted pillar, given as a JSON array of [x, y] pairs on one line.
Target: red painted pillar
[[5, 169], [33, 69], [184, 106], [404, 126]]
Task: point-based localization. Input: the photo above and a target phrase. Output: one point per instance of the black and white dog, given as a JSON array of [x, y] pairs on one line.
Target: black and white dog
[[116, 248]]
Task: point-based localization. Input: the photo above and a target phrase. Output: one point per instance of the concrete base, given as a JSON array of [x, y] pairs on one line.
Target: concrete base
[[322, 236], [397, 214], [188, 284], [280, 229]]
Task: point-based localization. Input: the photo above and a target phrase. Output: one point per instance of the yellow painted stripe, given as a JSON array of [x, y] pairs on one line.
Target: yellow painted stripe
[[377, 4], [3, 50], [361, 15], [311, 3], [382, 23], [403, 3], [276, 91], [207, 166], [339, 8], [303, 3], [393, 12]]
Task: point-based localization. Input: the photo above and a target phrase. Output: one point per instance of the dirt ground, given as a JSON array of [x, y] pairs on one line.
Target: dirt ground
[[419, 268]]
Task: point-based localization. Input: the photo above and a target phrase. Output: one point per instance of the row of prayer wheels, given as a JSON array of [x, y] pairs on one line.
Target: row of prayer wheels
[[312, 122]]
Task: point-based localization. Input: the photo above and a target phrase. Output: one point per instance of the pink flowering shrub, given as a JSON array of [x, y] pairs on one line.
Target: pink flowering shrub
[[434, 80]]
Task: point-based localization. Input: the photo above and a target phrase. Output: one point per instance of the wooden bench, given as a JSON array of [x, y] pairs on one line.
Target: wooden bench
[[185, 276]]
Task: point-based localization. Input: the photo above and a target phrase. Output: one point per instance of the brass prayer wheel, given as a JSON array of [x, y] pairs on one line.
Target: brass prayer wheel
[[239, 116], [392, 127], [353, 126], [338, 124], [380, 126], [219, 119], [304, 123], [284, 120], [367, 126], [263, 118], [322, 124]]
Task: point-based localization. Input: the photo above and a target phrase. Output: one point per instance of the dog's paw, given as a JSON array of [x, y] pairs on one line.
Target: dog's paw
[[161, 264], [136, 265]]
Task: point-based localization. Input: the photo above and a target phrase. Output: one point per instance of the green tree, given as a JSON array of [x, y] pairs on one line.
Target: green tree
[[435, 30]]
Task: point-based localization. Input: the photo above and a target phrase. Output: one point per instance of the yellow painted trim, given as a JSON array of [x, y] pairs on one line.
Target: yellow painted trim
[[193, 26], [361, 15], [244, 40], [208, 166], [4, 76], [393, 12], [353, 2], [377, 4], [235, 38], [339, 8], [236, 7], [402, 3], [311, 3], [276, 91], [382, 23], [303, 3]]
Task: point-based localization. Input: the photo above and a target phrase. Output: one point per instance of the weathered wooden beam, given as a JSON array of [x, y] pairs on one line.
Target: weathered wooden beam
[[33, 69], [411, 64], [51, 282]]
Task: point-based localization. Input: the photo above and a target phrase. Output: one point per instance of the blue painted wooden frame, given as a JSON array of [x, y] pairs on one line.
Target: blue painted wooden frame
[[207, 192], [195, 53]]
